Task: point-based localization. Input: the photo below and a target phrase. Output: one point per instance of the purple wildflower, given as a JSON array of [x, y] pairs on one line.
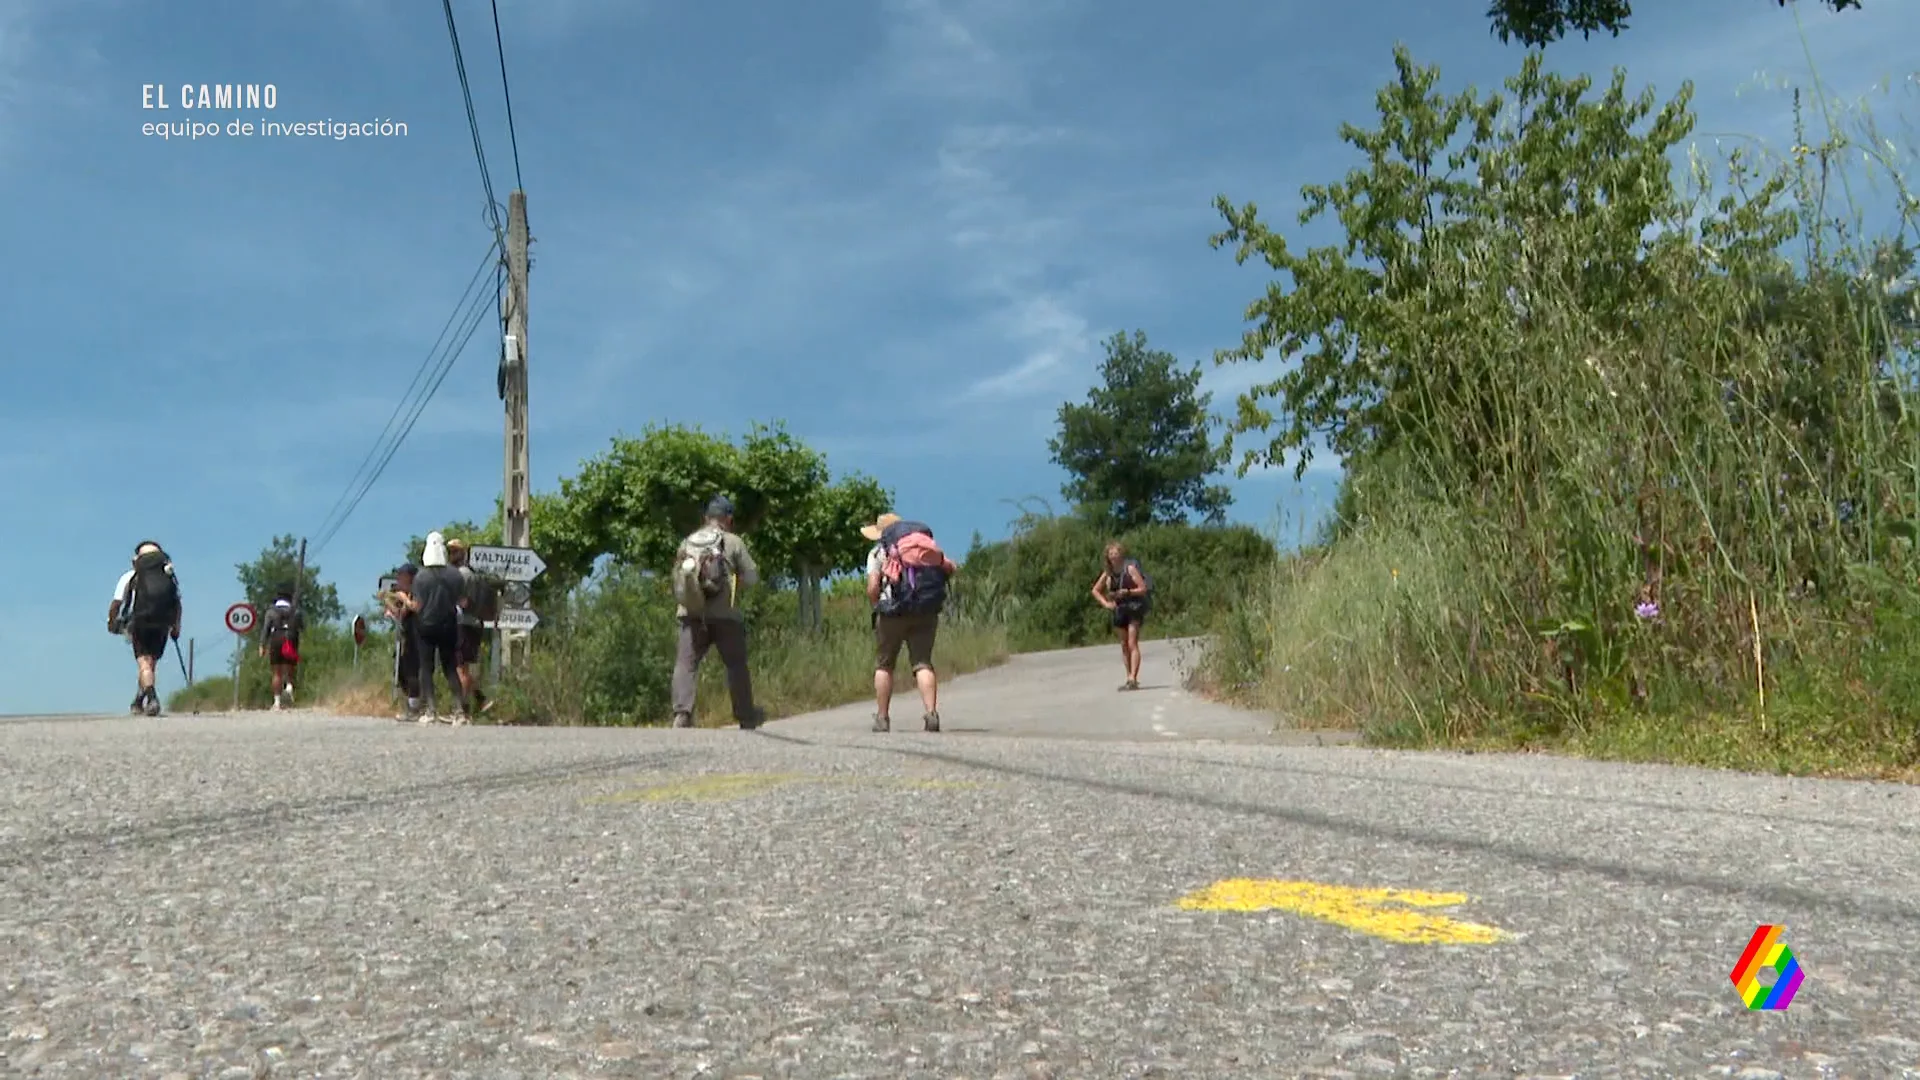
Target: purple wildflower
[[1647, 609]]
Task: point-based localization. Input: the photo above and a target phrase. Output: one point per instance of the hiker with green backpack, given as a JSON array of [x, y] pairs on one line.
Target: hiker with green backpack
[[1124, 589], [146, 610], [710, 568]]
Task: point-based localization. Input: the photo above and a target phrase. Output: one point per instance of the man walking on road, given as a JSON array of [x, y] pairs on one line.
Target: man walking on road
[[471, 586], [280, 645], [437, 598], [146, 608], [908, 589], [709, 570]]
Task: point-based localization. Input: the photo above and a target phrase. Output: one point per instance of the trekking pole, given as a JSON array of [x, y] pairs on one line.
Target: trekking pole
[[183, 665]]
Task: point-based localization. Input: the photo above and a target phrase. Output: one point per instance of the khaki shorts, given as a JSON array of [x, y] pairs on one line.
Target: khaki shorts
[[916, 632]]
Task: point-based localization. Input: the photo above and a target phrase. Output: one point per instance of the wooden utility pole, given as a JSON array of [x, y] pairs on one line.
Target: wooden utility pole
[[517, 528]]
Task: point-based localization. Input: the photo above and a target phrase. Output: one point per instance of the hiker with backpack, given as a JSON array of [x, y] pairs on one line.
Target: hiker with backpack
[[907, 586], [477, 591], [709, 569], [436, 600], [280, 645], [1123, 588], [146, 610]]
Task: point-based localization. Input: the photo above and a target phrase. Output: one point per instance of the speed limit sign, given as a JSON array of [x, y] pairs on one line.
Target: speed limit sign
[[240, 618]]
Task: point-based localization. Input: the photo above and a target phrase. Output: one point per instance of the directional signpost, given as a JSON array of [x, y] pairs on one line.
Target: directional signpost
[[240, 620], [516, 568], [505, 563], [521, 619]]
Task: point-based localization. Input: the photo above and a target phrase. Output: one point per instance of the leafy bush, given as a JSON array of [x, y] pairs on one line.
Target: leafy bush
[[607, 660], [1038, 581], [1624, 473]]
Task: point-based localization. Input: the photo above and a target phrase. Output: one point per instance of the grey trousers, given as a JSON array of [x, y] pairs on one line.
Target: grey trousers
[[729, 637]]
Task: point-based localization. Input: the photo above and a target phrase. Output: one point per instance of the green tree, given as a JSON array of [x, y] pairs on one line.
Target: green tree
[[275, 570], [1138, 449], [1541, 22], [640, 498], [1461, 189]]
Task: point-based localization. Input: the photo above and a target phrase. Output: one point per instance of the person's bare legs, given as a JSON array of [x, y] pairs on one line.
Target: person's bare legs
[[146, 673], [929, 684], [882, 692], [1132, 635]]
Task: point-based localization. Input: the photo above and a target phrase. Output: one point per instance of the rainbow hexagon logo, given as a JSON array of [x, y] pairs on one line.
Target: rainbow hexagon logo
[[1767, 953]]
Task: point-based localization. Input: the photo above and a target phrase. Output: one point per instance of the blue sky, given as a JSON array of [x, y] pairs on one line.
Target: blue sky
[[742, 212]]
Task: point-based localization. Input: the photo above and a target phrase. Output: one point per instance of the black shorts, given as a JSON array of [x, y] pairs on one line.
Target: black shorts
[[470, 644], [915, 632], [149, 642], [1127, 614]]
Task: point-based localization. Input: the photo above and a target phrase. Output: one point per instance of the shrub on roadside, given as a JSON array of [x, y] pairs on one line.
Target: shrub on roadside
[[1640, 484], [1038, 581], [607, 659]]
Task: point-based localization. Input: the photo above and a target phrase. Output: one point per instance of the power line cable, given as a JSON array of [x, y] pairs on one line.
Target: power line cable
[[473, 124], [506, 91], [341, 509], [475, 317]]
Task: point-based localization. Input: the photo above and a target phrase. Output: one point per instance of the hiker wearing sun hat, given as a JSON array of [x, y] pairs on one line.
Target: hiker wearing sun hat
[[907, 576]]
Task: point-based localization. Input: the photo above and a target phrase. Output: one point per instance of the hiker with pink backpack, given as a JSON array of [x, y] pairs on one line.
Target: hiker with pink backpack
[[907, 577]]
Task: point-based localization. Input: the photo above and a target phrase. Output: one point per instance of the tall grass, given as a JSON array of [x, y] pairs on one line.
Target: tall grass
[[327, 676], [607, 659], [1665, 517]]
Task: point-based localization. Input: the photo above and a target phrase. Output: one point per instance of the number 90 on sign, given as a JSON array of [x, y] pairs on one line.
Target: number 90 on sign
[[240, 618]]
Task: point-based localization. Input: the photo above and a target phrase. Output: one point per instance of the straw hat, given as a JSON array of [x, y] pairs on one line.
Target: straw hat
[[873, 531]]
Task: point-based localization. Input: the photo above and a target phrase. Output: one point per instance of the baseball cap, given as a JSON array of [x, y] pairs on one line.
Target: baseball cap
[[405, 568], [880, 525], [721, 506]]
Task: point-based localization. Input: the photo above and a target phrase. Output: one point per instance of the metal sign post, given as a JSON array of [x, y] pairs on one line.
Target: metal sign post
[[240, 619], [517, 567]]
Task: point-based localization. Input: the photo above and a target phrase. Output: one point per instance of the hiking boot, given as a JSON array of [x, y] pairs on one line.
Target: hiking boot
[[682, 720], [754, 720], [139, 703], [153, 703], [882, 724], [460, 719], [428, 716], [932, 720]]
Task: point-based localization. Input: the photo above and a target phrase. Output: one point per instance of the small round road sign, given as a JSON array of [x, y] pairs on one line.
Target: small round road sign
[[359, 629], [240, 618]]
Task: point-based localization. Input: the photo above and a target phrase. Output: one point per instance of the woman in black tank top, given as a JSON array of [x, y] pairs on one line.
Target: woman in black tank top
[[1122, 589]]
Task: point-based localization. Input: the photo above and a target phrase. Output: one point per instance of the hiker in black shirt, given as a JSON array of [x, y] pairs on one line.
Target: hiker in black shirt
[[146, 609], [439, 594]]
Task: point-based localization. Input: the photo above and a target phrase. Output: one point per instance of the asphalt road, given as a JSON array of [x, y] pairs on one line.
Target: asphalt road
[[302, 895]]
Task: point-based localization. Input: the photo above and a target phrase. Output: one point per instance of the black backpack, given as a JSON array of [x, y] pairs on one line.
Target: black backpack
[[154, 592], [483, 597], [919, 590], [282, 624]]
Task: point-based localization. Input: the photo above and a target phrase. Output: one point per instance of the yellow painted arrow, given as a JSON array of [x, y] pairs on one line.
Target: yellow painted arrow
[[1384, 913]]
